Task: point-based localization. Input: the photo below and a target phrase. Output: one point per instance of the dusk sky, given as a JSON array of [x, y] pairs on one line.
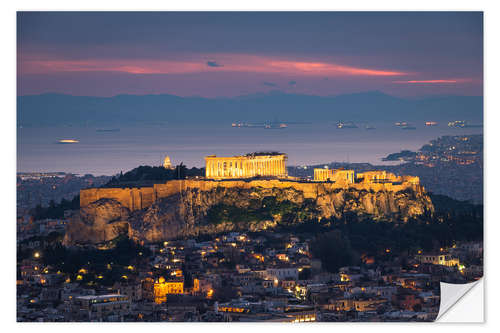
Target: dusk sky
[[215, 54]]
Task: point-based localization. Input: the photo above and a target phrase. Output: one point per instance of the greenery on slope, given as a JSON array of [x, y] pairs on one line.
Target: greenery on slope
[[55, 211], [155, 173]]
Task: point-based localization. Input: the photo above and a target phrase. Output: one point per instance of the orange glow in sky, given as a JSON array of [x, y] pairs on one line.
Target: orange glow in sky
[[226, 63], [428, 81]]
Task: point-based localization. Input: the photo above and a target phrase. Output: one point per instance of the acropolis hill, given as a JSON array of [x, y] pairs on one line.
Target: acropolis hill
[[242, 172], [250, 192]]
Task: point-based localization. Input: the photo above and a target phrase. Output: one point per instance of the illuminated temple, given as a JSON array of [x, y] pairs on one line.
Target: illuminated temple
[[246, 166]]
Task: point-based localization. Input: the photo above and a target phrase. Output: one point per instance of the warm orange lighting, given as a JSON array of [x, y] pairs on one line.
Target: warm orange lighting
[[36, 254], [231, 63], [427, 81]]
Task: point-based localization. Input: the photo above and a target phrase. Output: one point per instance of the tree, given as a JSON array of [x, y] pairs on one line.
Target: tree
[[334, 250]]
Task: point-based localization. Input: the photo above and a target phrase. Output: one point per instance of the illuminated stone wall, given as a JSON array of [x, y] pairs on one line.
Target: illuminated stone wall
[[132, 197], [139, 198]]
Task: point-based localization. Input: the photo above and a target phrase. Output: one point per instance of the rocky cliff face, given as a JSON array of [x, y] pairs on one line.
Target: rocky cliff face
[[193, 212]]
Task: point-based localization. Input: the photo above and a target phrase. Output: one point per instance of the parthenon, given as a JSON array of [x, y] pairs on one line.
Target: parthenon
[[246, 166]]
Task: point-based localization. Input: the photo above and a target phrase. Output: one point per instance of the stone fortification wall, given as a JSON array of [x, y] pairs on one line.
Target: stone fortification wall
[[143, 197]]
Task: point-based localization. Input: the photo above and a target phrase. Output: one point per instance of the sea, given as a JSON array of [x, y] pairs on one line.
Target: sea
[[105, 152]]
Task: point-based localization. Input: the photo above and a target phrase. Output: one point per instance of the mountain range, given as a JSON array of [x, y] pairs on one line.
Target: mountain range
[[53, 109]]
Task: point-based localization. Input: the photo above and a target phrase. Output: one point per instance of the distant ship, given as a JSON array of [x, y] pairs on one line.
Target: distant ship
[[401, 123], [457, 123], [370, 127], [68, 141], [275, 126], [431, 123], [408, 127], [462, 124], [241, 124], [107, 130], [347, 124]]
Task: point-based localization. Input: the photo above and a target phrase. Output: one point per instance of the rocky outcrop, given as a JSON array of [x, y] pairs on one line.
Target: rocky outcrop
[[194, 211], [99, 222]]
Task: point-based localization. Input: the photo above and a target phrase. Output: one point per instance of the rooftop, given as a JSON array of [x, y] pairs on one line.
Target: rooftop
[[100, 297]]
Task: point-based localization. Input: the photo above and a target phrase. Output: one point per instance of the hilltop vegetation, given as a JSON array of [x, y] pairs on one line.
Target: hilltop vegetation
[[151, 174]]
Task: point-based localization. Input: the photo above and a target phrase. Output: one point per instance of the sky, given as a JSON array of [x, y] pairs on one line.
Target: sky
[[227, 54]]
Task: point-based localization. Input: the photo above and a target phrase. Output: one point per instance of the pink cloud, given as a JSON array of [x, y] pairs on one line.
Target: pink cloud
[[317, 68], [432, 81], [229, 63]]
